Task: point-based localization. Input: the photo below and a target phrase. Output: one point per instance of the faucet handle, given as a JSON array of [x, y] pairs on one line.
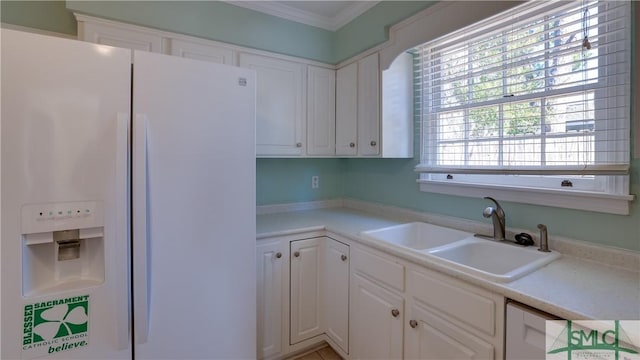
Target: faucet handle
[[498, 208]]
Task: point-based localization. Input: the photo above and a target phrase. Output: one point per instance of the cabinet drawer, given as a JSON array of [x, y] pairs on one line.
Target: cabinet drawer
[[463, 302], [378, 267]]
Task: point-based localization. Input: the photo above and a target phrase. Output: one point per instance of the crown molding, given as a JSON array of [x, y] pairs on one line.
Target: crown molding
[[283, 11]]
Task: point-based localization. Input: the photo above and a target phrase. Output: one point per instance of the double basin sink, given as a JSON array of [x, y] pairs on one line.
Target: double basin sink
[[485, 258]]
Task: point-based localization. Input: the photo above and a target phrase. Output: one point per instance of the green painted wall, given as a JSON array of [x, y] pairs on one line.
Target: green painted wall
[[43, 15], [289, 180]]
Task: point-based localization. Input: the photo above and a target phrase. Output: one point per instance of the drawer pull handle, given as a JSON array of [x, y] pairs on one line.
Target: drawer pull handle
[[278, 255], [352, 145], [296, 254], [413, 324], [395, 313], [373, 143], [343, 257]]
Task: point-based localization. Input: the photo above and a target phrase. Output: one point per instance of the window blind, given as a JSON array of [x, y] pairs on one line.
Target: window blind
[[541, 89]]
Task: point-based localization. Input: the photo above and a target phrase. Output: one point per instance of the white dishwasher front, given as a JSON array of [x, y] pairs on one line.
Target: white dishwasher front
[[525, 332]]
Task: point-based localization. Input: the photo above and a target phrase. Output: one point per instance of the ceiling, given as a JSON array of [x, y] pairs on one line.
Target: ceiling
[[329, 15]]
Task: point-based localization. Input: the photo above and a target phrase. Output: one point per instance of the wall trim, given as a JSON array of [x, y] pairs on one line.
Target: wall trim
[[298, 206], [306, 17]]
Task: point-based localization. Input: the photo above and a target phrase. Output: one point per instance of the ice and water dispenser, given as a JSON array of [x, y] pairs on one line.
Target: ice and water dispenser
[[62, 246]]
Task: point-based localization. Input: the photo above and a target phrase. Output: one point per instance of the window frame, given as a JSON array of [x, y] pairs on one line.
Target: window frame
[[600, 193]]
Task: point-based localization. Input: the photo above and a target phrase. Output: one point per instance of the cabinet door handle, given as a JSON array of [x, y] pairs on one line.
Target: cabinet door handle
[[395, 313], [413, 324], [373, 143], [298, 144], [352, 145], [296, 254], [278, 255], [343, 257]]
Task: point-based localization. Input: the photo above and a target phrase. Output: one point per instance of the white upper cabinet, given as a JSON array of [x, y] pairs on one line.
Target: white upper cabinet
[[281, 94], [360, 98], [369, 106], [304, 108], [358, 108], [347, 110], [321, 111], [119, 36], [205, 52]]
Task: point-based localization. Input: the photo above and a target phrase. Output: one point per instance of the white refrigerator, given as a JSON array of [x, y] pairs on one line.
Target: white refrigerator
[[128, 204]]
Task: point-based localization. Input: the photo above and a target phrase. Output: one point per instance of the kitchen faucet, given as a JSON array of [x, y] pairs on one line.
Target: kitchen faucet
[[544, 239], [498, 217]]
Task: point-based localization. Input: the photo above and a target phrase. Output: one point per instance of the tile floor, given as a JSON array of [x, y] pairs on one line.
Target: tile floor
[[326, 353]]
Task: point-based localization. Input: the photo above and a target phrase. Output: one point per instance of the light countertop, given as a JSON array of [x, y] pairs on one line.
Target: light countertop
[[570, 287]]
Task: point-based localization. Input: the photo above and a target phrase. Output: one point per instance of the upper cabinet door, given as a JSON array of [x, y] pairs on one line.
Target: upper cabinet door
[[120, 37], [369, 106], [203, 52], [347, 110], [321, 111], [281, 95]]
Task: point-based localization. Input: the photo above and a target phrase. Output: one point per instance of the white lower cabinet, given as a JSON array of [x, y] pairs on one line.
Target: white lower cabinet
[[320, 291], [376, 321], [442, 318], [307, 289], [336, 296], [302, 295], [429, 336], [368, 304], [272, 262]]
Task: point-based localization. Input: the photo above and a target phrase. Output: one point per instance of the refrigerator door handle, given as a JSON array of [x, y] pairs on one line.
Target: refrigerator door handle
[[140, 234], [122, 245]]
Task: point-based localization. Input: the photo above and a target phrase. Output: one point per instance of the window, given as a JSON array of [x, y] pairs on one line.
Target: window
[[533, 100]]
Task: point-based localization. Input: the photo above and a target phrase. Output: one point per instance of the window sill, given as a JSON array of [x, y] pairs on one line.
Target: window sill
[[579, 200]]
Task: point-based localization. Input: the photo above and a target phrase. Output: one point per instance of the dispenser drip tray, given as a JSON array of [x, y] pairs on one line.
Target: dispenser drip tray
[[68, 242]]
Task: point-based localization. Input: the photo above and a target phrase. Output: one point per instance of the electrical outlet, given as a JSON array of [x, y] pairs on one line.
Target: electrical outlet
[[315, 182]]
